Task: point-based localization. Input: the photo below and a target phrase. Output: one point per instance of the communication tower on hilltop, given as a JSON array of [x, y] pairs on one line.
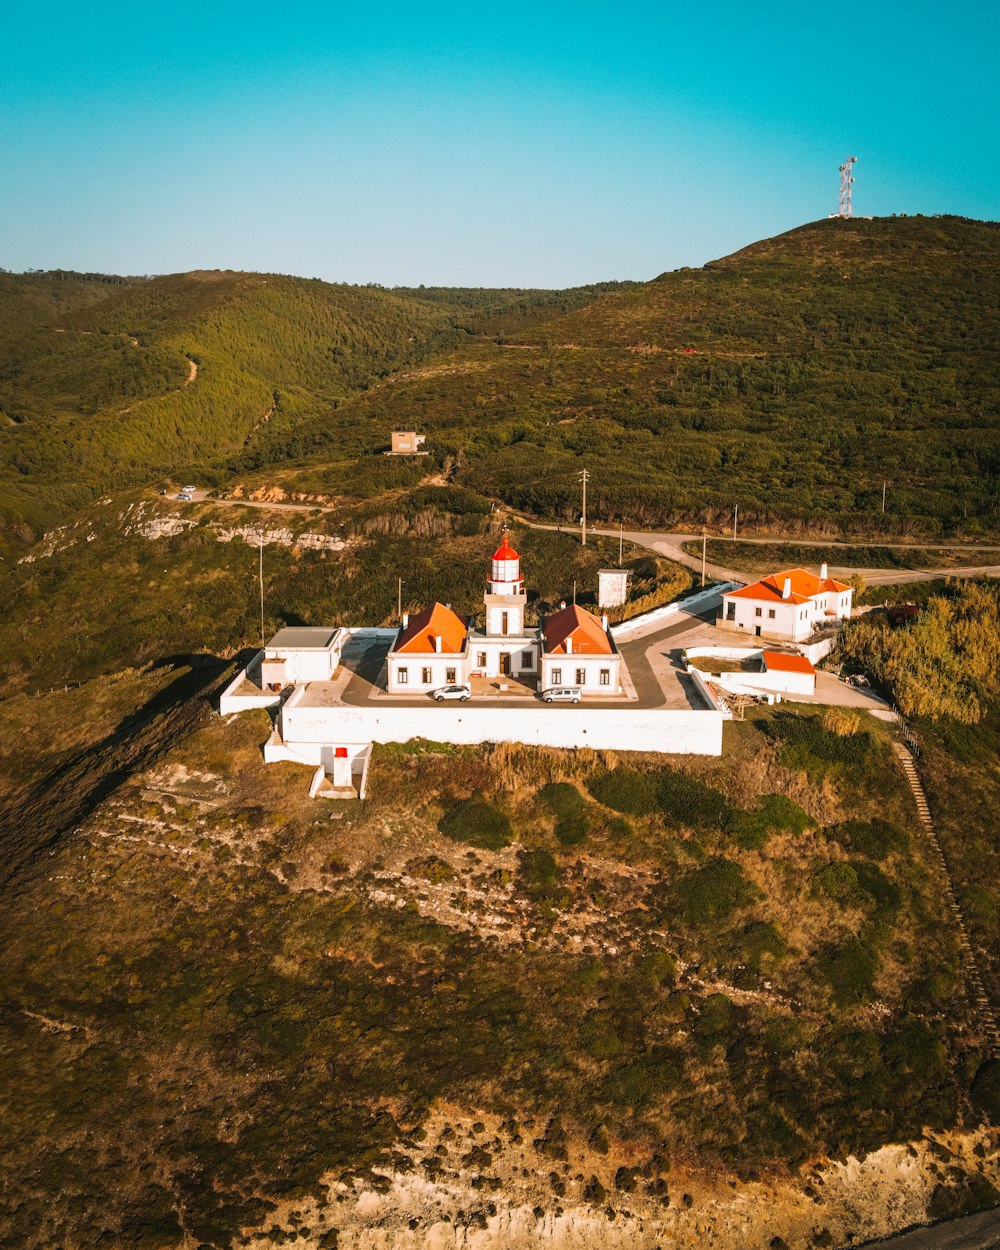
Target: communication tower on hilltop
[[846, 180]]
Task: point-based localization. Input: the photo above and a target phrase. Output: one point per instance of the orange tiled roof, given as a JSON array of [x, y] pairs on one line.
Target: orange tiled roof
[[805, 586], [782, 662], [582, 626], [422, 629]]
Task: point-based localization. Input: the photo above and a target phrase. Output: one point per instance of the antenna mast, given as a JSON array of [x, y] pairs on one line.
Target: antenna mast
[[846, 179]]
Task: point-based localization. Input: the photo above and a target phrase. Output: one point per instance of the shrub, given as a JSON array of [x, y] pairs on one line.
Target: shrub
[[598, 1036], [563, 799], [849, 968], [625, 790], [841, 721], [691, 801], [875, 838], [538, 870], [713, 892], [775, 813], [478, 823], [572, 831]]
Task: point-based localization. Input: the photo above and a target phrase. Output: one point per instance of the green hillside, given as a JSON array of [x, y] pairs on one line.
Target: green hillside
[[97, 389], [792, 379]]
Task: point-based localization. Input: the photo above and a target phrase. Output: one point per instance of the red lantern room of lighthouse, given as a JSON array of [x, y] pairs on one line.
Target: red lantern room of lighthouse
[[505, 599], [505, 571]]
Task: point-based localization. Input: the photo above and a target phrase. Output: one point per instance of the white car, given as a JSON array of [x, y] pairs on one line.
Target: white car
[[189, 490], [561, 694], [452, 692]]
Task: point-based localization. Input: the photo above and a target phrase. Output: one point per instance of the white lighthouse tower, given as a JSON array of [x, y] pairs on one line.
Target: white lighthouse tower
[[505, 598]]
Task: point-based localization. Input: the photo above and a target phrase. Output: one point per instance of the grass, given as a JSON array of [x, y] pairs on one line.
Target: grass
[[324, 998]]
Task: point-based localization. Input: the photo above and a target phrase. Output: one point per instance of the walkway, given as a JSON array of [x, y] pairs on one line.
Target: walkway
[[973, 975]]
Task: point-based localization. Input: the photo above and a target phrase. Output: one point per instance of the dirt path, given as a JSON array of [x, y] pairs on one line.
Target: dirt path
[[192, 371]]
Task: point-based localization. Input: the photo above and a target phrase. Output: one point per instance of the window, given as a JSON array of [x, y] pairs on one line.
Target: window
[[480, 659], [504, 621], [757, 612], [605, 676], [402, 675], [527, 659], [557, 677], [581, 676], [426, 676], [770, 614], [730, 611], [450, 676]]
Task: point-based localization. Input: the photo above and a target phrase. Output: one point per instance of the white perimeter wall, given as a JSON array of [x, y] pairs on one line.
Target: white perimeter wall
[[305, 731]]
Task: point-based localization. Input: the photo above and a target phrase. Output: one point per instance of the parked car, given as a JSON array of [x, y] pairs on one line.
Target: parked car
[[189, 490], [452, 692], [561, 694], [184, 497]]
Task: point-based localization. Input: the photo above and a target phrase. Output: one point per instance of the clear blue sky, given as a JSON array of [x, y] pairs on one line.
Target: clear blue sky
[[542, 144]]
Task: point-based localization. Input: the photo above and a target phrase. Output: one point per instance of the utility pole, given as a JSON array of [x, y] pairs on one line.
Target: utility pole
[[736, 513], [399, 599], [584, 475], [704, 544], [574, 590], [621, 542], [884, 485], [260, 578]]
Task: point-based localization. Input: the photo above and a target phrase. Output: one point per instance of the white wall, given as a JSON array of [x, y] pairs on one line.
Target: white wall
[[650, 621], [786, 623], [306, 731], [311, 665], [494, 649], [590, 665], [437, 662], [779, 682]]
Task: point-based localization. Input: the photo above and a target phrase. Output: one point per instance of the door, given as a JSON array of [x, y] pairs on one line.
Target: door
[[756, 630], [505, 665]]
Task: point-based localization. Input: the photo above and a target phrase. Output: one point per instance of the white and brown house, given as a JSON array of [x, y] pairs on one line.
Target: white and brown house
[[790, 606]]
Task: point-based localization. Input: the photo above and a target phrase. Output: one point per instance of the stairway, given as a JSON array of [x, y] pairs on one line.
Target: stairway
[[973, 977]]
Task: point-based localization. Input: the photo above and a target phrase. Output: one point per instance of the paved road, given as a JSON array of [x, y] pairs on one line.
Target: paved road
[[671, 545], [971, 1232]]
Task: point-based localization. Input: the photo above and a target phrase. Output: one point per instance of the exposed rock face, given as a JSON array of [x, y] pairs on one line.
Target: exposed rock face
[[153, 521], [505, 1194]]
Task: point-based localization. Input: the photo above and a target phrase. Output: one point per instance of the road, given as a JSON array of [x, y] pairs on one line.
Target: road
[[671, 545]]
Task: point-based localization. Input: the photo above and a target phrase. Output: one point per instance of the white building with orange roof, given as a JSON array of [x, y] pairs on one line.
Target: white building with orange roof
[[579, 651], [430, 650], [789, 606]]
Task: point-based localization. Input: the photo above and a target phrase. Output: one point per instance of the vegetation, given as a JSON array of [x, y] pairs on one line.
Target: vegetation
[[764, 557], [792, 377], [359, 982], [945, 663]]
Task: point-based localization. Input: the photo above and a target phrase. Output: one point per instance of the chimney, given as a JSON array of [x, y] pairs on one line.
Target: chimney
[[823, 574], [604, 622], [786, 592], [406, 619], [562, 604], [437, 642], [569, 645]]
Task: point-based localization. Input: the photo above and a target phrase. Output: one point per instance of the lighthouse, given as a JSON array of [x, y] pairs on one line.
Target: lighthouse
[[505, 599]]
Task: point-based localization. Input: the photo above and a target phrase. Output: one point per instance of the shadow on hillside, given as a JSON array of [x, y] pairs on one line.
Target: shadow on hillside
[[34, 823]]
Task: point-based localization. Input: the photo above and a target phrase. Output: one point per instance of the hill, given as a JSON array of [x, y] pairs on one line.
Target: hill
[[110, 381], [791, 378]]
